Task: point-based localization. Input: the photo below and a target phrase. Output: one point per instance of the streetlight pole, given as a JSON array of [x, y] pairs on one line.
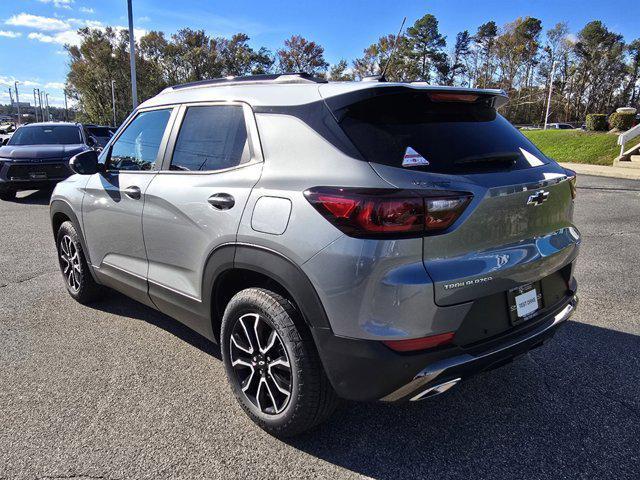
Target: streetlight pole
[[132, 57], [47, 101], [113, 101], [40, 102], [546, 115], [66, 110], [15, 85], [35, 105], [10, 97]]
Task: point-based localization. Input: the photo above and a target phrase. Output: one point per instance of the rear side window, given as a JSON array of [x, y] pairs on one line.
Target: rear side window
[[211, 138], [439, 136]]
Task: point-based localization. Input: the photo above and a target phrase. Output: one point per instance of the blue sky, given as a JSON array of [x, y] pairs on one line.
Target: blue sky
[[32, 31]]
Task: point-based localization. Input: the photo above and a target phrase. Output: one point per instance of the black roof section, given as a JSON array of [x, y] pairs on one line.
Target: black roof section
[[289, 77]]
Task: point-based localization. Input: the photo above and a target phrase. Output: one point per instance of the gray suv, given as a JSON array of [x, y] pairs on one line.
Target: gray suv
[[358, 240]]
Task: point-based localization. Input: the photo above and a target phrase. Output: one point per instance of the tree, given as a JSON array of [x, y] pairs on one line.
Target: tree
[[425, 48], [339, 73], [383, 54], [631, 94], [239, 58], [103, 56], [485, 39], [302, 55], [458, 65]]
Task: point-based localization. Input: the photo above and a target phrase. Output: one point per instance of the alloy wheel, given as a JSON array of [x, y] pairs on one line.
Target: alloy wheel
[[261, 363], [70, 262]]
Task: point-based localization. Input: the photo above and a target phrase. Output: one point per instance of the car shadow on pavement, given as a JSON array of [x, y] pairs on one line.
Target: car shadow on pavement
[[118, 304], [570, 409]]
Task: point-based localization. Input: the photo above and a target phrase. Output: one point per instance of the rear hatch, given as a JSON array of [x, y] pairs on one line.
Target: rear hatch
[[518, 227]]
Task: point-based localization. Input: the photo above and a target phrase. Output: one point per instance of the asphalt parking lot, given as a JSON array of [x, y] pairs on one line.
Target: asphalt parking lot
[[118, 390]]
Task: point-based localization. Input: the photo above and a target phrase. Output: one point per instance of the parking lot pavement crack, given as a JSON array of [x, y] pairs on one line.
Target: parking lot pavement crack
[[610, 234], [77, 475], [23, 280]]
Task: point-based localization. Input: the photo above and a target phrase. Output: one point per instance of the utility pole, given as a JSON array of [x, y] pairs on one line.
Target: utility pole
[[10, 96], [40, 102], [132, 57], [66, 110], [47, 100], [113, 100], [35, 105], [546, 115], [15, 85]]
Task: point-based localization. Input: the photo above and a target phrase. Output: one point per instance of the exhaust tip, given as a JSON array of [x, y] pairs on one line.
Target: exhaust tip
[[436, 390]]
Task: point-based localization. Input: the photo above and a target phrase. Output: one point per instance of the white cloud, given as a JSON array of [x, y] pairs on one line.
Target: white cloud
[[9, 34], [46, 24], [59, 3], [57, 85], [87, 10], [9, 82], [68, 37]]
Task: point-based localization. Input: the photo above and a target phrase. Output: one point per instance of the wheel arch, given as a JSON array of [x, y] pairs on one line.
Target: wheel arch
[[60, 212], [256, 266]]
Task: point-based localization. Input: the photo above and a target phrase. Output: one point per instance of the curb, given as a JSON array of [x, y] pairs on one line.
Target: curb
[[604, 171]]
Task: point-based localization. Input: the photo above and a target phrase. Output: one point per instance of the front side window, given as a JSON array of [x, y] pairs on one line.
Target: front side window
[[137, 147], [211, 138]]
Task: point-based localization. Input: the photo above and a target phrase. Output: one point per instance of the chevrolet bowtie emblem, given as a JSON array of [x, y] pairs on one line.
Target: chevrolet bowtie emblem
[[538, 198]]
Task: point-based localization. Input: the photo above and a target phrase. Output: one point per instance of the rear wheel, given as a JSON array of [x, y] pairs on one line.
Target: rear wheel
[[272, 364], [7, 195], [73, 265]]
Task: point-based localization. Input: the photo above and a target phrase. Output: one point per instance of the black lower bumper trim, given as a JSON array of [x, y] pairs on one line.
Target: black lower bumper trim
[[365, 370]]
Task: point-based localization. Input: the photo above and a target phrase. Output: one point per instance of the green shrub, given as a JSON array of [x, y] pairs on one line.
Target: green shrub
[[597, 122], [621, 121]]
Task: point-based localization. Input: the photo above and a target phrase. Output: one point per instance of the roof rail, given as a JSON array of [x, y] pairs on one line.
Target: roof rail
[[289, 77]]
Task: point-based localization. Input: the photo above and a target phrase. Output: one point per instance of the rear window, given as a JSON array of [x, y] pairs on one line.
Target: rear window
[[409, 130]]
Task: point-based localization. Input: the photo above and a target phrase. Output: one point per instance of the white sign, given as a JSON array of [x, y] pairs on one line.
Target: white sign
[[413, 158]]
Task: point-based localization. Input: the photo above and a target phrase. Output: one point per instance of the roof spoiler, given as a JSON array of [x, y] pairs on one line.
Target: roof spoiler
[[494, 97]]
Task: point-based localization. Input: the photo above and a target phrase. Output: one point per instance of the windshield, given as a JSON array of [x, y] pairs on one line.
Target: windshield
[[410, 130], [100, 131], [46, 135]]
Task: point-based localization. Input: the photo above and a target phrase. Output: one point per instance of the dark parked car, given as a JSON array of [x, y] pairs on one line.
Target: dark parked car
[[37, 156], [101, 133]]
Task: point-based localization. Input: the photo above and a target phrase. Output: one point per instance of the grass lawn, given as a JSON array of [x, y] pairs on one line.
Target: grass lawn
[[577, 146]]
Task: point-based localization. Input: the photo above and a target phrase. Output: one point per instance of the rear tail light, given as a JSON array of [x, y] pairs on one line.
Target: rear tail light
[[423, 343], [388, 213]]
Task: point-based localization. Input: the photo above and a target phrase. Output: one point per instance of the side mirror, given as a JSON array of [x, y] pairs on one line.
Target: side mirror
[[85, 163]]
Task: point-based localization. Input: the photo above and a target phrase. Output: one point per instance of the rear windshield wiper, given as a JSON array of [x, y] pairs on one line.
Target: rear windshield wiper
[[497, 157]]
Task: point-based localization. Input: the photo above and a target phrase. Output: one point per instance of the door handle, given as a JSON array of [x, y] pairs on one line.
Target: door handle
[[221, 201], [132, 192]]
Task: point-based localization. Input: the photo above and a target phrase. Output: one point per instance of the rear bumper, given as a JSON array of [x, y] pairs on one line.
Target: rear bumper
[[447, 372], [367, 370]]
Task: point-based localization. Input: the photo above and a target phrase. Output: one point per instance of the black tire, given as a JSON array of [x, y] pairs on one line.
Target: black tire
[[77, 277], [7, 195], [312, 399]]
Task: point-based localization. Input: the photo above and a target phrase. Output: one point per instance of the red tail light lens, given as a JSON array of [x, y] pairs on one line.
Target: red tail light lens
[[423, 343], [390, 213]]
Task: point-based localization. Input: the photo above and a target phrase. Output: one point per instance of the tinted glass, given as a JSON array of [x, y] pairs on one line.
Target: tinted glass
[[47, 135], [211, 138], [451, 136], [137, 147]]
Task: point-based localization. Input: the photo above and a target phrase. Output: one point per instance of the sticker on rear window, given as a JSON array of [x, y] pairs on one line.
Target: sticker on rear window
[[413, 158]]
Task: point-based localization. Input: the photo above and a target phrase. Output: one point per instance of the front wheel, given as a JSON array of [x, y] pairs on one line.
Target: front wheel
[[73, 265], [272, 364]]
